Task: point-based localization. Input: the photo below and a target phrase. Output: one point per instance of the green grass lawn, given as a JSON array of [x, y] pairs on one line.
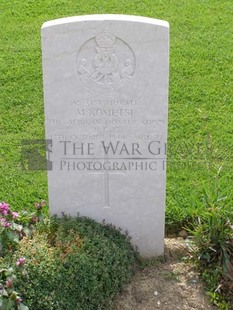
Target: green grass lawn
[[200, 94]]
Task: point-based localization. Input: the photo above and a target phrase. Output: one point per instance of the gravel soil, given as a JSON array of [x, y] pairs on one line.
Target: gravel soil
[[168, 285]]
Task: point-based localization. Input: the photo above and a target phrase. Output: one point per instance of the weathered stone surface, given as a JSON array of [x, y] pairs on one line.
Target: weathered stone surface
[[106, 93]]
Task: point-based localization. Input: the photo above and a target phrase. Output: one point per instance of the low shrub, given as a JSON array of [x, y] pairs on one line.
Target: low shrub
[[74, 263]]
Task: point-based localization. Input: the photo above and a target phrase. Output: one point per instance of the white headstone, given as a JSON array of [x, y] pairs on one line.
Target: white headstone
[[106, 94]]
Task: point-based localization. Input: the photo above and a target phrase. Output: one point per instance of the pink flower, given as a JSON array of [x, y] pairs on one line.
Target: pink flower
[[18, 300], [4, 223], [38, 206], [21, 261], [14, 215], [7, 224], [43, 203], [4, 212], [34, 219], [9, 283], [4, 208]]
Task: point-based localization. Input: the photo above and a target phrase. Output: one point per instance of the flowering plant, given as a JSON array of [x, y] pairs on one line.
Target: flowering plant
[[14, 225], [9, 298]]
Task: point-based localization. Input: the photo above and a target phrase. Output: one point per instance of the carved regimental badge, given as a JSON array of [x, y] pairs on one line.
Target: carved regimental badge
[[105, 63]]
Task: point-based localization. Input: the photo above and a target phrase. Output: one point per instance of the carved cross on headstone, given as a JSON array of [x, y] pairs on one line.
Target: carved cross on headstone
[[106, 181]]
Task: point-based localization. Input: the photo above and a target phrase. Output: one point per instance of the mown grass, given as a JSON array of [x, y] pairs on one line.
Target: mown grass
[[200, 95]]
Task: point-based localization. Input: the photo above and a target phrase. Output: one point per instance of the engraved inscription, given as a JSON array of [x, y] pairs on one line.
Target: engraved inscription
[[105, 63]]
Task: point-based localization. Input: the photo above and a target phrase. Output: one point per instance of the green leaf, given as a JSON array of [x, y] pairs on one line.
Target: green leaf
[[27, 231], [4, 303], [4, 293], [10, 305], [22, 307], [12, 236], [40, 217], [1, 245], [17, 227]]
